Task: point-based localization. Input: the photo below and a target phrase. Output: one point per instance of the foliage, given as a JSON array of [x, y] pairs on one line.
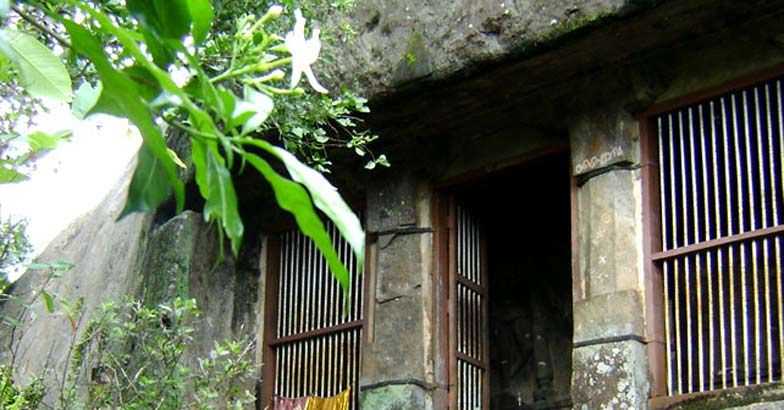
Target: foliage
[[15, 397], [134, 357], [160, 66], [29, 74], [17, 306], [309, 125], [15, 246], [131, 356]]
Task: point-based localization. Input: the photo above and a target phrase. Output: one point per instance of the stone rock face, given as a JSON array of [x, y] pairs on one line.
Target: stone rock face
[[183, 260], [130, 258], [402, 41], [107, 256]]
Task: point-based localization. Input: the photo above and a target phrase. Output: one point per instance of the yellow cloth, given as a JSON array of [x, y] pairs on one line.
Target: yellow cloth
[[339, 402]]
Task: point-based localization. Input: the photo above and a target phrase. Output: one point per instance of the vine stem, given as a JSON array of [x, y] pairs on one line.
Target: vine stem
[[250, 69]]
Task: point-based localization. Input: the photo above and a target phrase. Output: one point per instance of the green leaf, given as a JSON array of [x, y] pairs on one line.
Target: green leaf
[[148, 86], [149, 186], [39, 140], [43, 74], [8, 175], [227, 102], [167, 18], [162, 56], [202, 15], [85, 99], [292, 197], [154, 161], [326, 198], [199, 159], [222, 200], [145, 85], [48, 301]]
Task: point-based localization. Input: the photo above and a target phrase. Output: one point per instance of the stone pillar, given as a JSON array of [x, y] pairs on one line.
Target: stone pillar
[[610, 364], [397, 368]]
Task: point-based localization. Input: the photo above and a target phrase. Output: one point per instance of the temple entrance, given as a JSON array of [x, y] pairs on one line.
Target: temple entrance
[[512, 294]]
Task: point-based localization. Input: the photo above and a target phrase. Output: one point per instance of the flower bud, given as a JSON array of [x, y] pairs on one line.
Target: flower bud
[[275, 11]]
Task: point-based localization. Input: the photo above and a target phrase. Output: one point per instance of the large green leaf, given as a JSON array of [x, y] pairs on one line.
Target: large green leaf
[[145, 86], [161, 54], [222, 200], [167, 18], [292, 197], [202, 15], [120, 92], [199, 160], [43, 74], [325, 196], [149, 185]]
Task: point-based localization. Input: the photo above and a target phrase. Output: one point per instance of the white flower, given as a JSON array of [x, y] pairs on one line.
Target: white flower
[[275, 11], [304, 52]]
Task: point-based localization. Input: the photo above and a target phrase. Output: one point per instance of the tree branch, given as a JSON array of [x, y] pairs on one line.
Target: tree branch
[[46, 30]]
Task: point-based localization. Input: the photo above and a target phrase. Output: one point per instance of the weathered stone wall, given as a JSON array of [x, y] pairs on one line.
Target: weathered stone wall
[[398, 370], [107, 258], [610, 360]]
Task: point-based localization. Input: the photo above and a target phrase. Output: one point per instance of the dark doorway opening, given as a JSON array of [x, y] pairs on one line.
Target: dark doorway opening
[[525, 215]]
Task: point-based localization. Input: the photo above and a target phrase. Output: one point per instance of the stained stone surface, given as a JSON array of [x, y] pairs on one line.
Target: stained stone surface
[[610, 376], [395, 397], [401, 41], [609, 232], [609, 315]]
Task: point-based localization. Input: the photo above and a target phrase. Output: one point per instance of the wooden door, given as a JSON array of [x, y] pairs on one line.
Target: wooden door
[[468, 317]]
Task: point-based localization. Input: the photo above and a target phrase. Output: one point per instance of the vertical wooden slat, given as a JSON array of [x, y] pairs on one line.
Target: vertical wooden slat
[[720, 174], [318, 356]]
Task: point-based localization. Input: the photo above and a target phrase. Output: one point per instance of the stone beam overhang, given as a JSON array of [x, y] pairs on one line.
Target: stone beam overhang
[[428, 73]]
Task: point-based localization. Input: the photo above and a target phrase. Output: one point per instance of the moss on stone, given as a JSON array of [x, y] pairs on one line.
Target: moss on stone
[[167, 266], [415, 61], [415, 48]]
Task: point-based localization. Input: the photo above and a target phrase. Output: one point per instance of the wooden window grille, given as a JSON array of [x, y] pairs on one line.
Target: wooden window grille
[[313, 330], [721, 201], [470, 360]]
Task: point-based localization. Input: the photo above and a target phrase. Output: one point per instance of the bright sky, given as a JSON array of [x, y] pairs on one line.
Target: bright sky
[[72, 179]]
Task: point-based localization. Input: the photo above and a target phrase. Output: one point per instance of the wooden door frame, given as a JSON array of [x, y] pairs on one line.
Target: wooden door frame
[[445, 269], [271, 288]]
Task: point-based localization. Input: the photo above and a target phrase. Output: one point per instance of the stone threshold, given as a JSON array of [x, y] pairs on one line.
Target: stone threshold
[[721, 399]]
